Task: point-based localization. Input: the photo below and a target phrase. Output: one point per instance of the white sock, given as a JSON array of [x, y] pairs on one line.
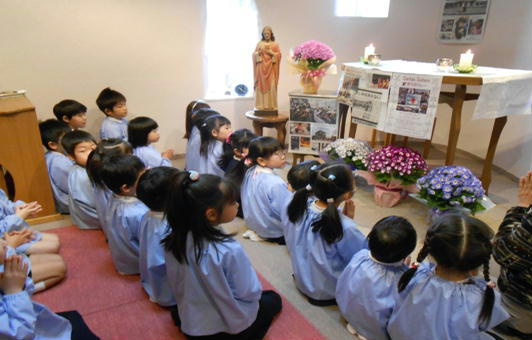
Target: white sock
[[40, 286]]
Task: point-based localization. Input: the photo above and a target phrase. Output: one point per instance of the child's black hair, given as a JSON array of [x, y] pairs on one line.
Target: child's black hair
[[200, 115], [138, 130], [73, 138], [68, 108], [192, 108], [51, 131], [187, 202], [328, 183], [239, 140], [154, 186], [260, 146], [392, 239], [462, 243], [108, 98], [209, 124], [299, 175], [105, 149], [121, 170]]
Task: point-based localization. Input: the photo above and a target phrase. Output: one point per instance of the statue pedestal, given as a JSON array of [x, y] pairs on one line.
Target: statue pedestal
[[276, 121]]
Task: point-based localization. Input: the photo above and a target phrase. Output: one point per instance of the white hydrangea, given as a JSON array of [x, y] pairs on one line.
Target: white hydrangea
[[349, 148]]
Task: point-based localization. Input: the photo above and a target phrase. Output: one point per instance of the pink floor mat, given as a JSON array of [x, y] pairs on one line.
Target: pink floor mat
[[116, 307]]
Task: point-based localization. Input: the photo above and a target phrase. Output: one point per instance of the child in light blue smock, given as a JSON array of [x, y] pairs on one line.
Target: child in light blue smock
[[152, 190], [214, 132], [120, 174], [447, 300], [322, 240], [113, 104], [57, 163], [217, 291], [105, 149], [78, 145], [72, 113], [21, 318], [263, 193], [367, 289], [193, 121], [142, 132]]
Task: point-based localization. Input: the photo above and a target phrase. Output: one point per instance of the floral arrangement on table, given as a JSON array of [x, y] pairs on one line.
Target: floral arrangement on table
[[393, 171], [352, 151], [312, 60], [452, 188]]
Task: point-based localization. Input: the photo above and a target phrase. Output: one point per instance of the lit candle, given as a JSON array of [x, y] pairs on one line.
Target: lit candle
[[466, 59], [368, 50]]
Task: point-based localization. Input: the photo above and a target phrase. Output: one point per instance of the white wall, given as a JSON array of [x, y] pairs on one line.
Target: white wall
[[152, 52]]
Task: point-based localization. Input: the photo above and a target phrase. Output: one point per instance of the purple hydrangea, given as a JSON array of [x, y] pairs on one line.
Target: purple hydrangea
[[449, 187], [313, 49]]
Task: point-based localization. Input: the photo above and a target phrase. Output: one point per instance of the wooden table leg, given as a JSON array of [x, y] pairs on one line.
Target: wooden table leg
[[498, 126], [297, 158], [281, 133], [373, 138], [456, 121], [428, 142], [387, 139], [342, 117], [352, 130], [257, 127]]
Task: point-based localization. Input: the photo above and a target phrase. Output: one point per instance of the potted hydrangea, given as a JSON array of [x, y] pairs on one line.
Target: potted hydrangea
[[393, 171], [452, 189], [352, 151], [312, 60]]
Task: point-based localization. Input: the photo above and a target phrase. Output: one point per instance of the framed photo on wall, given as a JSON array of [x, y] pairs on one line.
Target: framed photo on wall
[[463, 21]]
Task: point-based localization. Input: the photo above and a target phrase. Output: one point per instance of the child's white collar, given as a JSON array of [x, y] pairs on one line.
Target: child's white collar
[[126, 199], [156, 214], [263, 169], [115, 119]]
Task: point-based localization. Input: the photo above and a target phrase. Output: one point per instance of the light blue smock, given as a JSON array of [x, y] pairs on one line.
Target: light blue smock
[[123, 224], [263, 196], [21, 318], [221, 293], [151, 157], [102, 194], [316, 263], [82, 202], [113, 128], [208, 164], [153, 229], [9, 221], [434, 308], [58, 167], [366, 293], [192, 155]]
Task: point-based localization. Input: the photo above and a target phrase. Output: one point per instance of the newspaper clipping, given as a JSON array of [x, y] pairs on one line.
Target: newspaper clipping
[[369, 102], [313, 123], [463, 21], [412, 105]]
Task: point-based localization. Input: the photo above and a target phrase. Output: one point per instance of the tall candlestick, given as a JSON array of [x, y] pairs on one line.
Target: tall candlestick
[[466, 59], [368, 50]]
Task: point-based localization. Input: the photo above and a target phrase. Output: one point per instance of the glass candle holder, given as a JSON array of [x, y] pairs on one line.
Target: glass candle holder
[[444, 64], [374, 59]]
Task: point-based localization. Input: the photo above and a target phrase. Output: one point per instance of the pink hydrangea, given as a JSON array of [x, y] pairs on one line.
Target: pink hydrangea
[[397, 162], [313, 49]]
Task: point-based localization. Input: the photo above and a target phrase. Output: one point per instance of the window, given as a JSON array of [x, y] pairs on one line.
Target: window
[[362, 8], [231, 34]]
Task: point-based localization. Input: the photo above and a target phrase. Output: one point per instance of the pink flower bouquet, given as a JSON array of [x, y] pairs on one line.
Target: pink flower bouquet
[[312, 60], [393, 171]]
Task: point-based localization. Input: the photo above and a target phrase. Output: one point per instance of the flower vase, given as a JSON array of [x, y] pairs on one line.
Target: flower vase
[[310, 84], [435, 213], [387, 197]]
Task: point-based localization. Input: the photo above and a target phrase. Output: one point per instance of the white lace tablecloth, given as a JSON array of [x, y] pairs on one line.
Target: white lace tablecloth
[[504, 91]]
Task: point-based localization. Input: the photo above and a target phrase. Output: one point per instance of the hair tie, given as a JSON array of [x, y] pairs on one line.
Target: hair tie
[[331, 177], [330, 200], [491, 284], [414, 265], [248, 161], [204, 124], [228, 138], [314, 167], [195, 104], [308, 187], [193, 175]]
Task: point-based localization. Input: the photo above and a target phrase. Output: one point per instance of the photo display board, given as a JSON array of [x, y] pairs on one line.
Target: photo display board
[[313, 121]]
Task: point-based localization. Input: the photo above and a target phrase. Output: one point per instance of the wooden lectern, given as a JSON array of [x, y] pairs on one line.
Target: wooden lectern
[[21, 153]]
